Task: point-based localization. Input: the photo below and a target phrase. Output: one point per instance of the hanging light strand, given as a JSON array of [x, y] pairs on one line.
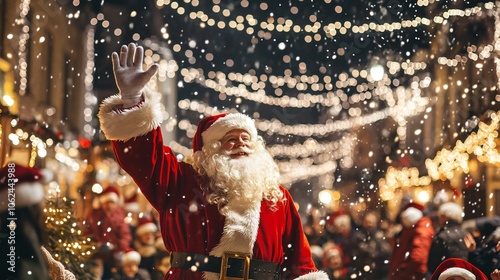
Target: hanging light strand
[[23, 42], [315, 31]]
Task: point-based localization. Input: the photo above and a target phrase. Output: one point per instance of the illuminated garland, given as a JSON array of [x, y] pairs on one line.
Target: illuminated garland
[[481, 144], [23, 41], [496, 43], [250, 24], [294, 173], [400, 178], [304, 100], [473, 53], [447, 162], [400, 109], [89, 97]]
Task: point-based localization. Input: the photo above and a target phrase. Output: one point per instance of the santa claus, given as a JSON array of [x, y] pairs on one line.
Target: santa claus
[[223, 214]]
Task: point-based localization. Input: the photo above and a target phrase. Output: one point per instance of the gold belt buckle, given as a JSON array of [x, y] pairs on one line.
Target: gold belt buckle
[[225, 265]]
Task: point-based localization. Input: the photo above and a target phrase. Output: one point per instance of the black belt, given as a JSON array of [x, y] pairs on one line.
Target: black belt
[[230, 265]]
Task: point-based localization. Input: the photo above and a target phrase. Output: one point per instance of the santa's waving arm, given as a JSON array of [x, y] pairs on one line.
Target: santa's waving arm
[[131, 120]]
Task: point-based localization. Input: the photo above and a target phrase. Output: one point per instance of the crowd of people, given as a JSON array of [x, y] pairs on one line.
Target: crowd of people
[[429, 242], [343, 245], [129, 244], [414, 246]]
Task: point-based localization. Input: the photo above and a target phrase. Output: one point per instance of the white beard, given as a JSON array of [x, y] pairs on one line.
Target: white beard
[[242, 181], [238, 186]]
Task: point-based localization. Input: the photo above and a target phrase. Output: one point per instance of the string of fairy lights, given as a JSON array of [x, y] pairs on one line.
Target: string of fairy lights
[[447, 162], [400, 109], [251, 25], [90, 99], [23, 40], [61, 218]]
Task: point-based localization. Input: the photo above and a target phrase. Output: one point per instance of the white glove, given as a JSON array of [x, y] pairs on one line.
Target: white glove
[[130, 78]]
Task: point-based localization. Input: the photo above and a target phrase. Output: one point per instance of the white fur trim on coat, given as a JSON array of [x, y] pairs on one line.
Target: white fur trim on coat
[[227, 123], [457, 271], [26, 194], [124, 124], [239, 233], [318, 275]]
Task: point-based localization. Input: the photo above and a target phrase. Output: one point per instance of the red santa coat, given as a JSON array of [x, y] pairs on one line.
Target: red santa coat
[[188, 222], [411, 251]]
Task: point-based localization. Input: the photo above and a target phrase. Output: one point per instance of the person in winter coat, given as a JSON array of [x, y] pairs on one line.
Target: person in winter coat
[[106, 225], [145, 243], [449, 239], [410, 250], [333, 262], [22, 224], [129, 267], [482, 244], [223, 212], [371, 250]]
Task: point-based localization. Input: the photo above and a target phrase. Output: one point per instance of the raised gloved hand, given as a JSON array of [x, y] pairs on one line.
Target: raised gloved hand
[[130, 77]]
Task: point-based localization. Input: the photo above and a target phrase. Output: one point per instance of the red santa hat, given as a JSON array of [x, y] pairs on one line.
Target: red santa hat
[[131, 256], [457, 267], [332, 251], [441, 197], [131, 204], [145, 225], [411, 213], [111, 193], [213, 128], [339, 218], [452, 211], [24, 182]]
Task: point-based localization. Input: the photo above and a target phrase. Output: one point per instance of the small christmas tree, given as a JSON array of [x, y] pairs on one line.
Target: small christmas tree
[[66, 241]]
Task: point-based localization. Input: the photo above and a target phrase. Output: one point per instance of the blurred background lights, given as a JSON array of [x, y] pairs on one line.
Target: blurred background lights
[[377, 72], [97, 188]]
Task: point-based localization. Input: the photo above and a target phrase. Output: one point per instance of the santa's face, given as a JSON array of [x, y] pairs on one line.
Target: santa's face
[[237, 143], [455, 278], [240, 169]]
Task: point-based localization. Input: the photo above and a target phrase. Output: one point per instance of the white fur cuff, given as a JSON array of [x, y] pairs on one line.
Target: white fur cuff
[[318, 275], [129, 123]]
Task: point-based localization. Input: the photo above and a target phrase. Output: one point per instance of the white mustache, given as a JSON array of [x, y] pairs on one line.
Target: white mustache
[[238, 150]]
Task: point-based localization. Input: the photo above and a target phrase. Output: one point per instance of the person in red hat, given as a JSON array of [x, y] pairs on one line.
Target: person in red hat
[[145, 241], [223, 213], [448, 242], [22, 226], [106, 225], [333, 262], [410, 248], [129, 267], [339, 230], [455, 268]]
